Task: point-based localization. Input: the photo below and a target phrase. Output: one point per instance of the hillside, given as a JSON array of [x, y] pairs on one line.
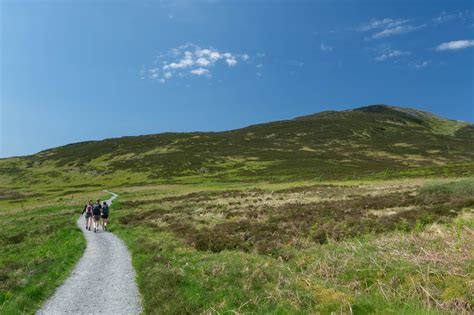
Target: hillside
[[262, 220], [364, 142]]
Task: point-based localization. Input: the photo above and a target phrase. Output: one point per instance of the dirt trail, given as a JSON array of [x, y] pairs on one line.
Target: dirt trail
[[103, 281]]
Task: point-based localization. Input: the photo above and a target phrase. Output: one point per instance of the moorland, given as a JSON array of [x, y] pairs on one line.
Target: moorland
[[365, 211]]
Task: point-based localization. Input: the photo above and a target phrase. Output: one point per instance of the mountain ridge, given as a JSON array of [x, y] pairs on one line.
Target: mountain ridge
[[368, 108], [351, 143]]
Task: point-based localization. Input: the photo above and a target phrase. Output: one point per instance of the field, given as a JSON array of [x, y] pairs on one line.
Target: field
[[39, 247], [377, 247], [366, 247]]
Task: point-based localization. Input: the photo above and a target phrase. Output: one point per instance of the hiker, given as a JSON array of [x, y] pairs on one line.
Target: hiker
[[96, 211], [88, 211], [105, 215]]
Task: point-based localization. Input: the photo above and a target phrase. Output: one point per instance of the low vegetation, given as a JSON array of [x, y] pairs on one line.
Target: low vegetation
[[388, 248]]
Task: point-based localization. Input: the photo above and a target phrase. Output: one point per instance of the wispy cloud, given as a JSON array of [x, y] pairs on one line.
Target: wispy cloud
[[400, 29], [326, 48], [383, 23], [388, 27], [445, 17], [455, 45], [259, 68], [390, 54], [295, 63], [190, 60], [421, 64]]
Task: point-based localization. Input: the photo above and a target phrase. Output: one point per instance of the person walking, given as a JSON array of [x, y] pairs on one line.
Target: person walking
[[105, 215], [88, 211], [96, 211]]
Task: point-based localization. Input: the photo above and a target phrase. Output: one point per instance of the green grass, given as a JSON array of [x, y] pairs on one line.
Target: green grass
[[38, 249], [194, 254], [175, 280], [464, 187]]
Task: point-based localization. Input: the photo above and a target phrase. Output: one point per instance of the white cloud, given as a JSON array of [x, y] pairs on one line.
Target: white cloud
[[390, 53], [200, 71], [183, 63], [383, 23], [231, 61], [325, 48], [153, 73], [203, 62], [455, 45], [421, 64], [190, 59], [260, 65], [400, 29], [445, 17], [388, 27]]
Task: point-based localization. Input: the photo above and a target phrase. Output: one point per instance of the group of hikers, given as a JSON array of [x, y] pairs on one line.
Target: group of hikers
[[94, 213]]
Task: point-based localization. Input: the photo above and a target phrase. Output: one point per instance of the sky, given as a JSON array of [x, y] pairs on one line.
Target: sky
[[73, 71]]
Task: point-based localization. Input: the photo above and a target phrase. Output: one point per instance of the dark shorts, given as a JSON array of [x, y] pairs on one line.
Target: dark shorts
[[96, 217], [105, 216], [88, 215]]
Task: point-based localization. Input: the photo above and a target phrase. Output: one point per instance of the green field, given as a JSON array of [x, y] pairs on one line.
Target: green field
[[369, 211], [392, 247]]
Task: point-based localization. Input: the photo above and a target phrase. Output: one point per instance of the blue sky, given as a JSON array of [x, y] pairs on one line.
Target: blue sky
[[82, 70]]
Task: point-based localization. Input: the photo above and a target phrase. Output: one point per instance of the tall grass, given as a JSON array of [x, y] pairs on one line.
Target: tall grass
[[463, 187]]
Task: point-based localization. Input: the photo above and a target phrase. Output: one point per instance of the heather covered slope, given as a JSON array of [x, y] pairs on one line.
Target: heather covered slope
[[364, 142]]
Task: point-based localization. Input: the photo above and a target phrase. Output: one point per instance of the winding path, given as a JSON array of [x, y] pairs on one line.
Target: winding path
[[103, 281]]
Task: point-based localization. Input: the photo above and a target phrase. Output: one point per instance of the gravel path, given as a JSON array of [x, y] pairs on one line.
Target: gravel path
[[103, 281]]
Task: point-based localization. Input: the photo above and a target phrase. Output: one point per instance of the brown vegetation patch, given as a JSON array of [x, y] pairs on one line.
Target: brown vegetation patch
[[266, 221]]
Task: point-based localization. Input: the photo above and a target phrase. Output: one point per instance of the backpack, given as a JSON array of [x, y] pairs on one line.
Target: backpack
[[96, 209], [105, 210], [89, 209]]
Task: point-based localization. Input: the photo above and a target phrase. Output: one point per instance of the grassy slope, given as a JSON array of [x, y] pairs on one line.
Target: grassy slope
[[366, 142]]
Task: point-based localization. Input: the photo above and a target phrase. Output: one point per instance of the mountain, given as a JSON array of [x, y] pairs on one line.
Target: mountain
[[372, 141]]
